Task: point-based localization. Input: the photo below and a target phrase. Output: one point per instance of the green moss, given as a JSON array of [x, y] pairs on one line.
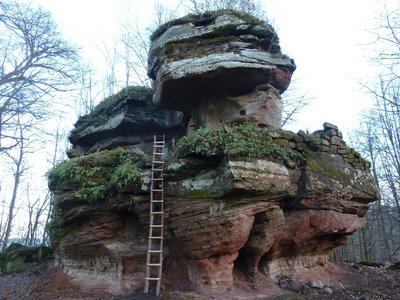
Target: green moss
[[357, 158], [240, 141], [194, 47], [45, 253], [395, 266], [53, 227], [17, 258], [206, 18], [98, 176], [324, 168], [199, 194], [366, 290]]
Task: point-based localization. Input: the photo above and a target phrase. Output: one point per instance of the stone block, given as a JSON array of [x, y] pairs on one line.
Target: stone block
[[328, 126]]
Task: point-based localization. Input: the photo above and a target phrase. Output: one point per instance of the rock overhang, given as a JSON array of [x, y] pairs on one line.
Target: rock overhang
[[229, 53]]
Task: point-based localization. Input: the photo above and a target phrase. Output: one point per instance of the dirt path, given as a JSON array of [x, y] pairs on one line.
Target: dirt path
[[46, 282]]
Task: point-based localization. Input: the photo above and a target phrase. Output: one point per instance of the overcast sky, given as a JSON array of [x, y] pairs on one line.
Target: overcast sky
[[327, 39]]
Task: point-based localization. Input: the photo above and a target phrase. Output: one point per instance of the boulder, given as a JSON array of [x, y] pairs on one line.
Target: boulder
[[17, 257]]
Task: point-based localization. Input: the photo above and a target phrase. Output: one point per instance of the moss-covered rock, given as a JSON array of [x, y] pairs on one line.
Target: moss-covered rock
[[126, 118], [235, 141], [208, 18], [17, 257], [137, 95], [98, 176]]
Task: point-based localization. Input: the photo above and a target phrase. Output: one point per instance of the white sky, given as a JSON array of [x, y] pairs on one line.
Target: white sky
[[325, 38]]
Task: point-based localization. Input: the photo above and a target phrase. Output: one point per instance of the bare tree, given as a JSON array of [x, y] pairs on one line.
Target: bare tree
[[35, 61], [378, 138], [86, 99], [35, 212], [58, 139], [294, 100], [18, 170], [35, 64], [251, 7], [136, 43]]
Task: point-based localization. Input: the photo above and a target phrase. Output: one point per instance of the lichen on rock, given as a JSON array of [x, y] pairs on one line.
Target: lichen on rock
[[198, 56], [126, 118]]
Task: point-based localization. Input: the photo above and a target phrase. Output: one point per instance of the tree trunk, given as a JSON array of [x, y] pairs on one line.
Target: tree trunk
[[17, 177]]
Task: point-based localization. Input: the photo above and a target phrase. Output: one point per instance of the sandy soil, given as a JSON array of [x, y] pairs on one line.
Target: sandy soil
[[46, 281]]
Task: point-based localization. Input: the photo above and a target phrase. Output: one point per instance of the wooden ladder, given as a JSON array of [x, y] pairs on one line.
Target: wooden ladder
[[156, 229]]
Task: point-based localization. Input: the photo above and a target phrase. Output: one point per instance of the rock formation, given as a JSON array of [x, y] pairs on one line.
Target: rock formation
[[220, 68], [127, 118], [245, 200]]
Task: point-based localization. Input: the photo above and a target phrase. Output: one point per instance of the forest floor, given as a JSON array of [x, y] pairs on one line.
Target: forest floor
[[47, 281]]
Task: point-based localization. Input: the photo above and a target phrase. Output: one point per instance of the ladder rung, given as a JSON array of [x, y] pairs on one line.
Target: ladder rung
[[158, 161], [156, 226], [156, 190], [155, 237], [157, 169], [154, 251], [152, 278], [159, 179], [159, 145], [157, 201], [154, 265], [157, 212]]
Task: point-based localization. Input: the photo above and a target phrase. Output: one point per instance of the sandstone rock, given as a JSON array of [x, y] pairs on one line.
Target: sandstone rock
[[108, 249], [328, 126], [261, 106], [258, 177], [328, 175], [241, 200], [221, 61], [127, 118], [221, 215]]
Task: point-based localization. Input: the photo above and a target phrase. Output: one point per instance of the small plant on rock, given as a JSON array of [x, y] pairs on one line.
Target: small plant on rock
[[97, 176], [245, 141]]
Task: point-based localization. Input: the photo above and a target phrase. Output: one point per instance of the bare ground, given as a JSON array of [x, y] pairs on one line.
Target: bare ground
[[47, 281]]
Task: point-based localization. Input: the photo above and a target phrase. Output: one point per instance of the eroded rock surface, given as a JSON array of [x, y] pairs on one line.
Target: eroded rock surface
[[244, 201], [220, 67], [276, 215], [126, 119]]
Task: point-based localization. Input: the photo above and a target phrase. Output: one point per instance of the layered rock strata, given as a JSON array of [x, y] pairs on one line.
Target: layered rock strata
[[220, 67], [275, 215], [127, 118], [244, 200]]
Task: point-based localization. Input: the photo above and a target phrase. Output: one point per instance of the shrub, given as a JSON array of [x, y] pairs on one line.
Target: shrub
[[98, 175], [236, 141]]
